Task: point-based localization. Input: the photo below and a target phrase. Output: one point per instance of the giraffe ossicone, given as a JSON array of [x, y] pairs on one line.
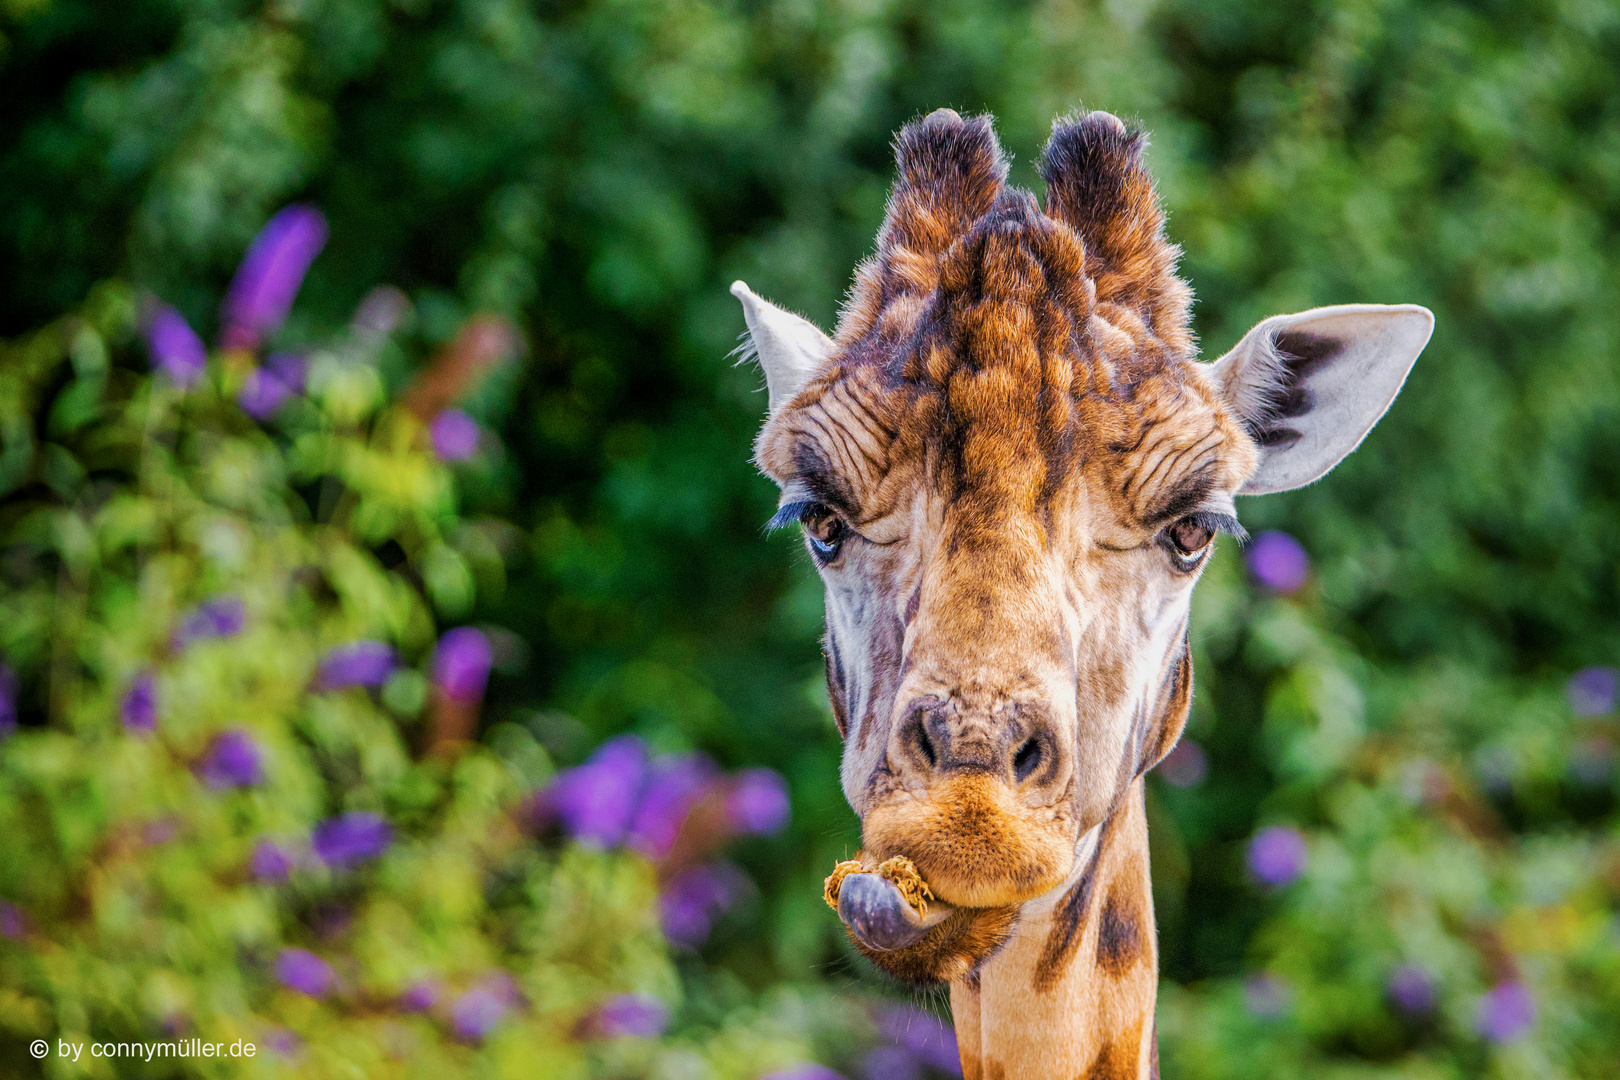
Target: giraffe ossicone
[[1009, 467]]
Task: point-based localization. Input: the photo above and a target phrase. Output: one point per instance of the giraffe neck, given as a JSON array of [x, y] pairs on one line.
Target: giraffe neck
[[1072, 994]]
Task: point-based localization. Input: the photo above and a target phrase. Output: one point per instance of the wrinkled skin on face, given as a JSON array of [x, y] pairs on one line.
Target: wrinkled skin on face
[[1009, 473]]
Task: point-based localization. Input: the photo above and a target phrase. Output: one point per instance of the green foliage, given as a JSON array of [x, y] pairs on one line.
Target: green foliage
[[598, 172]]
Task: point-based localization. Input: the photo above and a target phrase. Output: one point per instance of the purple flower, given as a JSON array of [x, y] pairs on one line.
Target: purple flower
[[419, 997], [220, 617], [1505, 1013], [475, 1013], [1265, 995], [139, 707], [290, 370], [263, 394], [461, 663], [283, 1043], [359, 663], [175, 346], [809, 1071], [302, 970], [268, 279], [1277, 855], [631, 1014], [232, 761], [923, 1035], [1278, 561], [1591, 691], [595, 801], [696, 898], [1412, 990], [672, 785], [8, 701], [13, 923], [455, 435], [757, 804], [1185, 766], [351, 838], [891, 1063], [271, 862]]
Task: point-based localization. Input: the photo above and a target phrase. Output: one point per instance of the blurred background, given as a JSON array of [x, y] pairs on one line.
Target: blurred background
[[397, 676]]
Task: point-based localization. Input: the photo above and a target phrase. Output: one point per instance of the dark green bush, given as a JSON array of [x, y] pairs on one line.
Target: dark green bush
[[597, 172]]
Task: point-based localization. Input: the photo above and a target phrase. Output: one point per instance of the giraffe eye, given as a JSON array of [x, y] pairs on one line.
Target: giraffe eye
[[1188, 542], [1191, 537], [825, 530]]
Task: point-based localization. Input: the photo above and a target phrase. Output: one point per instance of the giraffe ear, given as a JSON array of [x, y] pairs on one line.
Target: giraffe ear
[[790, 349], [1310, 386]]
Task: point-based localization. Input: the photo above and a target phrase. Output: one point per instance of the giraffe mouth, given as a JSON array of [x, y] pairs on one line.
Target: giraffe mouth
[[973, 842], [881, 917]]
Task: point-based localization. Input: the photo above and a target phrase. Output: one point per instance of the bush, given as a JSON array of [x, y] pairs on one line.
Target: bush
[[243, 805], [1387, 847]]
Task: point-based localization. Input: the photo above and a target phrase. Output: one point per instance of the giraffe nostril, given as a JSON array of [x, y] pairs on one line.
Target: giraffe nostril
[[926, 745], [918, 737], [1027, 760]]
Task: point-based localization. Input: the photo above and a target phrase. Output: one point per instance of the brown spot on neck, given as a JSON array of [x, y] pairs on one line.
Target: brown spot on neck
[[1119, 1058], [1069, 919], [1120, 929]]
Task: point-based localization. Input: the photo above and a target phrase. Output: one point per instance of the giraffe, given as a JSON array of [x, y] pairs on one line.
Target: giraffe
[[1009, 467]]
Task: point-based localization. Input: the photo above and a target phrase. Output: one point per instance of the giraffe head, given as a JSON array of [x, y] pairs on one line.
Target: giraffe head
[[1010, 469]]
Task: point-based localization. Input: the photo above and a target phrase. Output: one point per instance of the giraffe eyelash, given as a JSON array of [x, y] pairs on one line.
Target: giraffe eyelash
[[824, 529], [791, 514], [1217, 522]]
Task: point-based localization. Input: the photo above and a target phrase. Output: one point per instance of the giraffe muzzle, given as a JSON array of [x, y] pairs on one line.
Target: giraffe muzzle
[[974, 841]]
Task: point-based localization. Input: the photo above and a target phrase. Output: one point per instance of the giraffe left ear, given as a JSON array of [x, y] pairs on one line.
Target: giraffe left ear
[[790, 349], [1310, 386]]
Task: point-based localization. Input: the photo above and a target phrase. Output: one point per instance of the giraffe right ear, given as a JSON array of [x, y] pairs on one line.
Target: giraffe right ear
[[1310, 386], [790, 349]]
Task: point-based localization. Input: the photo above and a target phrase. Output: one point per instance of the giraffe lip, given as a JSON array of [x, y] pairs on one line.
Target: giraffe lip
[[878, 915]]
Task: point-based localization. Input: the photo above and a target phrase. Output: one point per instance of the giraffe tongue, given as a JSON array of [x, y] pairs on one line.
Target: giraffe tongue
[[877, 913]]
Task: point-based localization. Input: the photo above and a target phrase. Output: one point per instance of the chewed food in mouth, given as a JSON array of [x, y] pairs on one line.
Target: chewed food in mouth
[[899, 871], [886, 905]]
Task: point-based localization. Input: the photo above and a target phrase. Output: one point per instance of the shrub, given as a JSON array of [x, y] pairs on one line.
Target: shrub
[[237, 788]]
